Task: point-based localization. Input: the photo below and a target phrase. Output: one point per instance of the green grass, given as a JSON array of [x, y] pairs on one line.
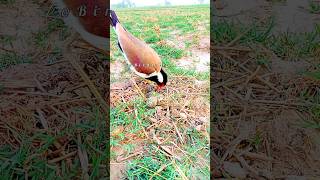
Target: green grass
[[146, 166], [7, 2], [41, 38], [9, 59], [295, 46], [314, 120], [155, 158], [223, 32], [120, 117], [314, 7], [6, 39], [314, 74], [54, 56], [289, 46]]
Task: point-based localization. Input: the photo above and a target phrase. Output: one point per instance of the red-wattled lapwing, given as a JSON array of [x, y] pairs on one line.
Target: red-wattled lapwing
[[143, 60], [89, 18]]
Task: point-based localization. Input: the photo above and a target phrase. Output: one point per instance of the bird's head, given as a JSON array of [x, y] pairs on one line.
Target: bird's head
[[161, 79], [160, 86]]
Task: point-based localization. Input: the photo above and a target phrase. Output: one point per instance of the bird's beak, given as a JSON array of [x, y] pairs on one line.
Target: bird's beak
[[160, 87]]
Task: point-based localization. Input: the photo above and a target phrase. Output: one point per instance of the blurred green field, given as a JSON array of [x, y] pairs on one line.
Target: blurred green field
[[156, 25], [130, 120]]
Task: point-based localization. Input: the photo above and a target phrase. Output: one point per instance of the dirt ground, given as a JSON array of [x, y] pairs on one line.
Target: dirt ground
[[291, 15], [258, 127]]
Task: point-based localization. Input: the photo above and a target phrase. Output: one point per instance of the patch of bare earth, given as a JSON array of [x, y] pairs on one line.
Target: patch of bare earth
[[21, 20], [290, 15], [197, 55]]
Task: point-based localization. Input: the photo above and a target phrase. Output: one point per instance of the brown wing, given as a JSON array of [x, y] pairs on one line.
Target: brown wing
[[140, 55]]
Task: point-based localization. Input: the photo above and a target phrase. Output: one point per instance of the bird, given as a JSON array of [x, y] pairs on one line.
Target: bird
[[89, 18], [143, 60]]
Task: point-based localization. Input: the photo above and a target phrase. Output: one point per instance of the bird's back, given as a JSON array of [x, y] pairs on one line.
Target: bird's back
[[140, 55]]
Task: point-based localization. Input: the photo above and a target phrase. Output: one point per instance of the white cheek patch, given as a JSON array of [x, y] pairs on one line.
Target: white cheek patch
[[160, 77]]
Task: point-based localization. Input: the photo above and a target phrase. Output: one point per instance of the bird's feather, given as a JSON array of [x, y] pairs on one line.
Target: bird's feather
[[92, 28], [143, 58]]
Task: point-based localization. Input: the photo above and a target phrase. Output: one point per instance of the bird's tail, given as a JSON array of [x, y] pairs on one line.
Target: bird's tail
[[113, 18]]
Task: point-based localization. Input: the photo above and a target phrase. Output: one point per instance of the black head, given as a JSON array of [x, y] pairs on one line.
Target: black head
[[165, 77], [156, 80]]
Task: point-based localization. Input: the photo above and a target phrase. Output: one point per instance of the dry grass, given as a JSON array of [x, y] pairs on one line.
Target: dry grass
[[263, 124]]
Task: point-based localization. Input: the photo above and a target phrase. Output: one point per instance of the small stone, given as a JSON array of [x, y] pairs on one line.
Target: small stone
[[200, 84], [153, 120], [158, 109], [152, 102], [183, 116], [199, 127], [160, 98], [175, 113], [204, 119]]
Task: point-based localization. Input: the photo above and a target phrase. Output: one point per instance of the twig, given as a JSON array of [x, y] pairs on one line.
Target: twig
[[232, 148], [246, 69], [140, 124], [39, 85], [33, 93], [184, 177], [230, 82], [83, 156], [138, 89], [56, 62], [257, 156], [226, 71], [8, 50], [71, 58], [160, 169], [231, 48], [130, 156], [234, 93], [19, 84], [59, 113], [268, 84], [42, 119], [252, 75], [72, 101], [177, 130], [62, 157], [246, 166], [280, 103], [90, 84]]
